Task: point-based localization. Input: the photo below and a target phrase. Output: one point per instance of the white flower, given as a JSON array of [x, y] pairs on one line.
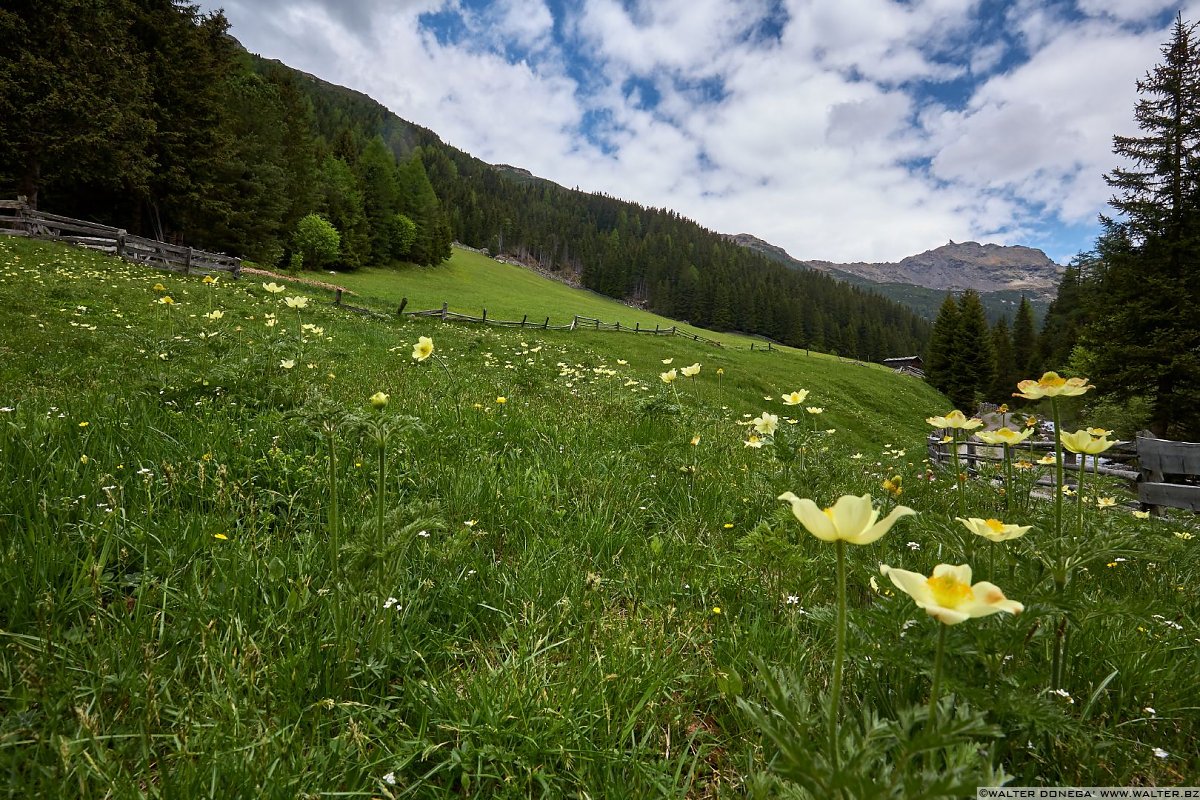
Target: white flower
[[390, 779], [793, 599], [391, 601], [1160, 753], [1149, 711], [914, 546]]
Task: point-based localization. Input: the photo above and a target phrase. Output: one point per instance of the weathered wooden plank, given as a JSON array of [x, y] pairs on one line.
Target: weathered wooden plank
[[1174, 495], [1166, 457], [59, 221]]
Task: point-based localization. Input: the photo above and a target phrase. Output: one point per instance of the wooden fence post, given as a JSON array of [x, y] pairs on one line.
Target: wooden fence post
[[121, 234], [523, 320], [485, 315], [618, 325], [187, 262], [237, 268], [547, 325], [574, 322], [444, 308]]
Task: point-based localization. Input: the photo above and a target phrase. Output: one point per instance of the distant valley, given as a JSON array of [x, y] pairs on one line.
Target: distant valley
[[1000, 273]]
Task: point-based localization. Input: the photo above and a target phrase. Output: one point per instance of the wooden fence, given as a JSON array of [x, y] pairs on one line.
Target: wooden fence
[[18, 219], [577, 323], [1167, 472], [1170, 473]]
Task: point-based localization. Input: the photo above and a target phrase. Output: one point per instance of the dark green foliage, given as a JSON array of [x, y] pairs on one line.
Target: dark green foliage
[[1006, 376], [961, 361], [1143, 293], [1024, 341], [977, 356], [72, 114], [941, 359], [1060, 330], [340, 200]]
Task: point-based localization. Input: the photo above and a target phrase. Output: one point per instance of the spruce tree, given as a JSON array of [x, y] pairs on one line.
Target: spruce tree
[[977, 360], [1007, 374], [1145, 326], [1024, 341], [941, 358]]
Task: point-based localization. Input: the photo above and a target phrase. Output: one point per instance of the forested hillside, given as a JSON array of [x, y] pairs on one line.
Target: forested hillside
[[145, 114]]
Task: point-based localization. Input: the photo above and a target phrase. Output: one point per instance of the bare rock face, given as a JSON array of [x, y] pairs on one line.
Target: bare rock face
[[955, 266]]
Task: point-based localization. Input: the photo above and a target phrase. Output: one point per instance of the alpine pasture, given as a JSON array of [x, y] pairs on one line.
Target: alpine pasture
[[254, 544]]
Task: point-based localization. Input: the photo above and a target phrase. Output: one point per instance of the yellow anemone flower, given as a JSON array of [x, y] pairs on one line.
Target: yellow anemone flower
[[754, 442], [669, 376], [1051, 384], [667, 360], [814, 410], [1004, 436], [893, 486], [215, 314], [423, 349], [1083, 442], [1099, 432], [851, 519], [501, 400], [296, 302], [795, 398], [948, 595], [274, 288], [993, 529], [1106, 502], [695, 440], [379, 400], [158, 287], [209, 280], [766, 424], [692, 371], [287, 363], [955, 419], [720, 370], [166, 300]]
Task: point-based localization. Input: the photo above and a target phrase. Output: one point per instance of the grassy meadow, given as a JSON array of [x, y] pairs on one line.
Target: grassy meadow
[[534, 569], [470, 282]]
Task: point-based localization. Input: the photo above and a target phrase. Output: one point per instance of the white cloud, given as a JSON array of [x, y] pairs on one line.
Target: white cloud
[[812, 144]]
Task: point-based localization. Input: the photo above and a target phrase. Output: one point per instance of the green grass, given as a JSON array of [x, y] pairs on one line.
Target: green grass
[[178, 619], [470, 282]]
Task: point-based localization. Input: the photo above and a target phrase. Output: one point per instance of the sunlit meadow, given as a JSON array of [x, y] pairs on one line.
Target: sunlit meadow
[[254, 544]]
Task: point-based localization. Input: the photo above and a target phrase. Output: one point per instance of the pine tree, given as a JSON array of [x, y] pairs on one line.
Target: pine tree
[[1007, 374], [1024, 341], [977, 359], [941, 359], [74, 100], [1144, 331]]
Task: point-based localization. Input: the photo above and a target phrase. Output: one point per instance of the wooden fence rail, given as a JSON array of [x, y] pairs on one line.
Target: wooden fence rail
[[1167, 472], [577, 323], [18, 219]]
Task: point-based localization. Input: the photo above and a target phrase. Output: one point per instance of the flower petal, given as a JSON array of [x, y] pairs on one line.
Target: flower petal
[[912, 584], [853, 515], [884, 525], [811, 517]]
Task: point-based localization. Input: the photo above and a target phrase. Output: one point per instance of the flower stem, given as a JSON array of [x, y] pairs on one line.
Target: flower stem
[[335, 519], [1007, 479], [935, 688], [379, 493], [961, 484], [835, 690], [1079, 495], [1059, 574]]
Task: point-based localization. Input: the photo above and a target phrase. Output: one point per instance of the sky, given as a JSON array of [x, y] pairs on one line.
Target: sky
[[843, 130]]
